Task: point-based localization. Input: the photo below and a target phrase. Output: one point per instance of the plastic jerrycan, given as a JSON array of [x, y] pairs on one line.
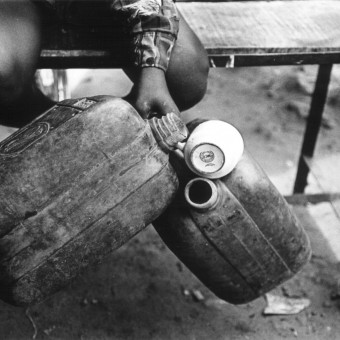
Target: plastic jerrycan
[[75, 184], [237, 234]]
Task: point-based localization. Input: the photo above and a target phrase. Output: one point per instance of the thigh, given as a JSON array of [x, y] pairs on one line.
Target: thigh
[[20, 36], [188, 68], [188, 56]]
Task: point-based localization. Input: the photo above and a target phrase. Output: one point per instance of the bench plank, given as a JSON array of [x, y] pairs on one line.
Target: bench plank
[[233, 33], [266, 27]]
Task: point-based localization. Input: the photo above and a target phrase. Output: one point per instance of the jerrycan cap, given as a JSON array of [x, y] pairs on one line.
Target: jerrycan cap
[[213, 149], [207, 158]]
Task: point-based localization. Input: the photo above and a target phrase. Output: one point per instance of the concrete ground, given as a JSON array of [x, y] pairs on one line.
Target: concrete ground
[[142, 291]]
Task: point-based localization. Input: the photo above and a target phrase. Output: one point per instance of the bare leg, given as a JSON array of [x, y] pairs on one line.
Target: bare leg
[[20, 36], [188, 69]]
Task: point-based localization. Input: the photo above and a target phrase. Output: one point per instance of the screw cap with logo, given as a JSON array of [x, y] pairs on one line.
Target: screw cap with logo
[[213, 149]]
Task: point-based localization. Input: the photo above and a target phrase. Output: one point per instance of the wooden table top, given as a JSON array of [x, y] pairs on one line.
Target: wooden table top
[[244, 33]]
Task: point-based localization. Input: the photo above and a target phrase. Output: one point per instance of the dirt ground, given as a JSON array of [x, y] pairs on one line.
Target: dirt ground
[[142, 291]]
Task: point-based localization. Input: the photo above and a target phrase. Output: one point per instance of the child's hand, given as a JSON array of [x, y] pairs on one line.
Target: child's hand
[[150, 95]]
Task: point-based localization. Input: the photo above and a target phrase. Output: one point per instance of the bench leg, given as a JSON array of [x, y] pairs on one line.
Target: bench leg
[[313, 125]]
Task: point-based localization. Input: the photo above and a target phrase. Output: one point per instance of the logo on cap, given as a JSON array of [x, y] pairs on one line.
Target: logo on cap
[[207, 156]]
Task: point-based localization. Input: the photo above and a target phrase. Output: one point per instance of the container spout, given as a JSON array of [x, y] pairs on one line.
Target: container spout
[[201, 193]]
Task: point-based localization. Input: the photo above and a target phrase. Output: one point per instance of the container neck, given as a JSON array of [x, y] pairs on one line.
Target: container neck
[[201, 194]]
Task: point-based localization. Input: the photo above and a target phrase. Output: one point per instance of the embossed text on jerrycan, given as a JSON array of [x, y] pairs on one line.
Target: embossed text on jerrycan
[[237, 234], [75, 184]]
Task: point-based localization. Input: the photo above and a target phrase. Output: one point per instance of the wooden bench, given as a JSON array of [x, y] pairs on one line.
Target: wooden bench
[[235, 34]]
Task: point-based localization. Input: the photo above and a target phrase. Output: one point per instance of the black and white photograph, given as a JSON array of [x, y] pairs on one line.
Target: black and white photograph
[[169, 170]]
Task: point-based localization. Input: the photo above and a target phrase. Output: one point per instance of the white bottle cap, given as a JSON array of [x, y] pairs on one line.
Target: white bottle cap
[[213, 149]]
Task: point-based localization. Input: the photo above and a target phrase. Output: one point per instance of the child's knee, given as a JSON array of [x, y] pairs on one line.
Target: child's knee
[[188, 69], [188, 79], [199, 79]]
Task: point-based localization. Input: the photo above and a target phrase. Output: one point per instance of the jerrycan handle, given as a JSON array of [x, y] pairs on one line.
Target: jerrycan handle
[[169, 131]]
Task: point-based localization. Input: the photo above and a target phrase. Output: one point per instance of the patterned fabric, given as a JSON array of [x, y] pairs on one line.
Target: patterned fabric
[[153, 49], [153, 25]]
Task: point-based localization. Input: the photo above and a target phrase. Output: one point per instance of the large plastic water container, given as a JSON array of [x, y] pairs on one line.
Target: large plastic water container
[[75, 184], [237, 234]]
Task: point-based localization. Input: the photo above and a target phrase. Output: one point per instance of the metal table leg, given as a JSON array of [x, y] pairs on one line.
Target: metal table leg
[[313, 125]]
